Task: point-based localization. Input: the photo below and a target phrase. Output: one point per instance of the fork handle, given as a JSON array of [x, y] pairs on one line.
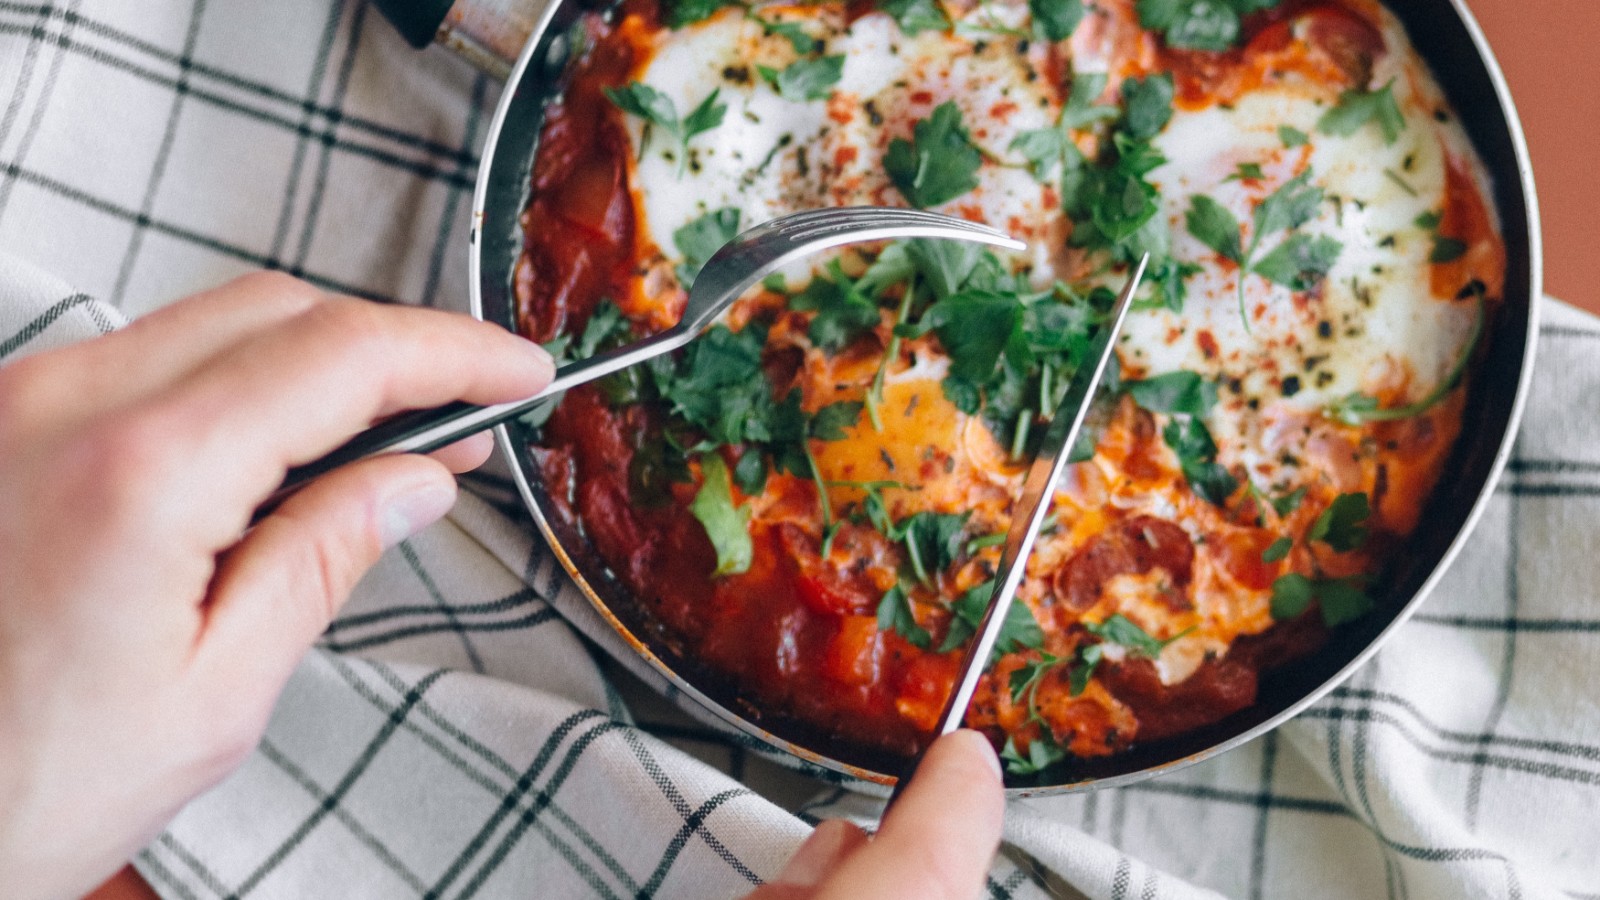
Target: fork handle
[[426, 430]]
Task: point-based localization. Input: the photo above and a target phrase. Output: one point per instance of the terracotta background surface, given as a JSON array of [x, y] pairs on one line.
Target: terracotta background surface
[[1547, 49]]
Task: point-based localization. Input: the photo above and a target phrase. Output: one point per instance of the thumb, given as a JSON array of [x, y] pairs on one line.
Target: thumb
[[281, 585]]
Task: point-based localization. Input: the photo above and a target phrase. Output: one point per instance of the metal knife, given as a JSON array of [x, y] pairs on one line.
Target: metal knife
[[1031, 508]]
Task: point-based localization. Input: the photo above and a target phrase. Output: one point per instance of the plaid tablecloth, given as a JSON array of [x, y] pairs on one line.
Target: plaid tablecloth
[[457, 734]]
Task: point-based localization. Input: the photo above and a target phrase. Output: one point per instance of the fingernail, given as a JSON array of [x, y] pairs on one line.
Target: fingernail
[[414, 508], [817, 856], [543, 360], [986, 750]]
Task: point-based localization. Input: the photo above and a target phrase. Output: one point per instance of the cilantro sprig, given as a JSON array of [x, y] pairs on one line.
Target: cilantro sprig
[[1188, 399], [1340, 599], [1042, 754], [894, 614], [727, 526], [1298, 262], [1445, 248], [1116, 629], [917, 16], [700, 239], [939, 164], [1198, 24], [805, 79], [1359, 107], [1020, 629], [843, 311], [658, 111]]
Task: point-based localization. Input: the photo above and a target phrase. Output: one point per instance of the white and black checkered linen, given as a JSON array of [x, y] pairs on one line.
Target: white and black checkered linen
[[455, 736]]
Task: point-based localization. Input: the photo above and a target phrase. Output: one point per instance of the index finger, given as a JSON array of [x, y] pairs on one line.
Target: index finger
[[942, 834], [298, 389]]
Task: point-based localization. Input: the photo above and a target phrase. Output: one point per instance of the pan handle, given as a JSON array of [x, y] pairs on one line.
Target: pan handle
[[417, 21], [487, 33]]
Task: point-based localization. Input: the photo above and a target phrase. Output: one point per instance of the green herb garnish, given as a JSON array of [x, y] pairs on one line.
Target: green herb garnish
[[1358, 107], [726, 525], [1342, 525], [894, 614], [940, 164], [658, 111], [699, 240], [805, 79]]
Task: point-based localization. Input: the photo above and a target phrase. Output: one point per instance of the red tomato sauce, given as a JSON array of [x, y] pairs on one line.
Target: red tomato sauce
[[797, 635]]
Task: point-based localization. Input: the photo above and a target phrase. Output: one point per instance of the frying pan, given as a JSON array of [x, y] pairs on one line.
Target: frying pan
[[1443, 32]]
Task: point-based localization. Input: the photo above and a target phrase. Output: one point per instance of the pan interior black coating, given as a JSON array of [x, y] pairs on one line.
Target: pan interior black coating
[[1443, 38]]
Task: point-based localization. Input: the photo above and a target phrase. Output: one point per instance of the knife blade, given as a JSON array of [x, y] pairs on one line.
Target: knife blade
[[1030, 512]]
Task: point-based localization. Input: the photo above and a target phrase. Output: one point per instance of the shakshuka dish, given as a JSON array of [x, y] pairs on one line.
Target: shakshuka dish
[[810, 499]]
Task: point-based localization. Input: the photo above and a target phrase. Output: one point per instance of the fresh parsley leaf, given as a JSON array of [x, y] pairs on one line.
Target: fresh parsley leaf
[[1447, 249], [829, 422], [1026, 679], [1197, 456], [678, 13], [727, 526], [932, 541], [1292, 137], [1043, 148], [790, 31], [1215, 226], [805, 79], [1174, 392], [975, 327], [891, 267], [916, 16], [750, 472], [1278, 549], [1081, 109], [1289, 502], [843, 313], [1341, 599], [1042, 754], [704, 117], [1341, 526], [639, 99], [1019, 630], [1123, 631], [940, 164], [1083, 666], [1291, 594], [1055, 19], [607, 327], [1358, 107], [1247, 171], [699, 240], [1192, 24], [1429, 221], [894, 614], [946, 266], [658, 110], [1146, 106], [1300, 261], [1292, 205], [719, 388]]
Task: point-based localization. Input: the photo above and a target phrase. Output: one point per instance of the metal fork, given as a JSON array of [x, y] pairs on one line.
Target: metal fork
[[730, 272]]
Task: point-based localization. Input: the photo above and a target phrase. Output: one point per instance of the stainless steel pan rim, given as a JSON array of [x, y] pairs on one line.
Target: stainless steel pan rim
[[521, 89]]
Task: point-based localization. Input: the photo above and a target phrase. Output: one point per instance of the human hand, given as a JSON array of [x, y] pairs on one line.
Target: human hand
[[145, 633], [935, 844]]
